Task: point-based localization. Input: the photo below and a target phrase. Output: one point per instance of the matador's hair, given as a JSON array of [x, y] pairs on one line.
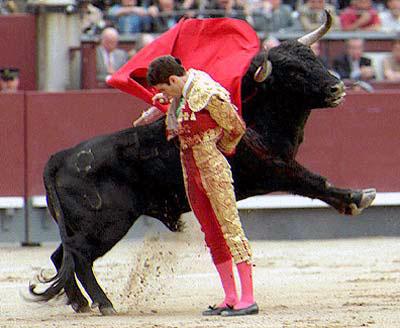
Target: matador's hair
[[162, 68]]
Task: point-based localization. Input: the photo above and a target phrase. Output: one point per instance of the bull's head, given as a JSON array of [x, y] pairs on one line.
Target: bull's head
[[292, 66]]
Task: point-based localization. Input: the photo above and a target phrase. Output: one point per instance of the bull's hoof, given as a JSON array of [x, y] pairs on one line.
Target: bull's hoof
[[367, 197], [79, 305], [80, 308], [107, 311]]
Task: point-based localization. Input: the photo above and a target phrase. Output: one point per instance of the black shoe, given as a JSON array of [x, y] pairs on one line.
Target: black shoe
[[215, 310], [252, 309]]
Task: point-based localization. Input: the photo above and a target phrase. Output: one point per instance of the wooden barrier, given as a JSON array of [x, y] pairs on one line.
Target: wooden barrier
[[12, 144], [355, 145]]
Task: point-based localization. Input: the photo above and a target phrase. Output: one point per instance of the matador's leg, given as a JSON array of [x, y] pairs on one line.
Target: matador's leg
[[216, 179], [203, 210], [211, 228]]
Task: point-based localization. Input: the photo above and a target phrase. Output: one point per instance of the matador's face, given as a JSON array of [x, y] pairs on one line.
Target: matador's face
[[174, 88]]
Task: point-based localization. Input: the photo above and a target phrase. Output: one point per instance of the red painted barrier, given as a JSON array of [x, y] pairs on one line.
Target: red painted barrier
[[61, 120], [355, 145], [12, 144]]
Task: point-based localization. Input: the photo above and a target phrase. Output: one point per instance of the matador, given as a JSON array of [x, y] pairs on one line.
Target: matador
[[208, 126]]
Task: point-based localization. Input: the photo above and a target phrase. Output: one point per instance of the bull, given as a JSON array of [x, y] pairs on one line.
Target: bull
[[97, 189]]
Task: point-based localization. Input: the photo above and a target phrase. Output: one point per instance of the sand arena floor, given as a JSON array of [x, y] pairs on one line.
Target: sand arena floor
[[166, 280]]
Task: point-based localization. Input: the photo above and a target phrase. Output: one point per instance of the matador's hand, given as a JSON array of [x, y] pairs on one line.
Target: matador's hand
[[161, 98]]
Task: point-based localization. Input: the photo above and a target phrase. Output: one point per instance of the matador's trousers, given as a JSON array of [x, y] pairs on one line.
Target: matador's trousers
[[208, 182]]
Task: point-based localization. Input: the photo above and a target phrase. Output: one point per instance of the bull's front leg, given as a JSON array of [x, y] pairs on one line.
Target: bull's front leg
[[292, 177]]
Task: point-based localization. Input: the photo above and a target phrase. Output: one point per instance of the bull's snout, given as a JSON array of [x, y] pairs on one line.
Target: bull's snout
[[336, 94]]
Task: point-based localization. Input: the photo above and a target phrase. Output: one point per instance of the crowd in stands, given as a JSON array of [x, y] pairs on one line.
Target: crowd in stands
[[157, 16], [109, 19]]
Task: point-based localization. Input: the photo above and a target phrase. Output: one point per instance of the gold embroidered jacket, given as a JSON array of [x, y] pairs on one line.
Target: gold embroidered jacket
[[192, 123]]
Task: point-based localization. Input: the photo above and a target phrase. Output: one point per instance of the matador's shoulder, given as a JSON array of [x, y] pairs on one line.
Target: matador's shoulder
[[201, 89]]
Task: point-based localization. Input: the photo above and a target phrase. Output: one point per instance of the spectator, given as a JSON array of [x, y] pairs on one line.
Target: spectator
[[352, 65], [390, 17], [272, 16], [360, 16], [225, 8], [8, 7], [91, 18], [190, 6], [131, 18], [166, 17], [391, 64], [9, 79], [108, 57], [312, 14]]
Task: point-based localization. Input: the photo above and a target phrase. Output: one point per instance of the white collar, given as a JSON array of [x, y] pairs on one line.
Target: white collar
[[188, 82]]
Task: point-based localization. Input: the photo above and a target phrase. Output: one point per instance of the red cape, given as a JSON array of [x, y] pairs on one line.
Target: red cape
[[222, 47]]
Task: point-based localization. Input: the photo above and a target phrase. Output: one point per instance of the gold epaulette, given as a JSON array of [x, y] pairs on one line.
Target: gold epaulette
[[201, 89]]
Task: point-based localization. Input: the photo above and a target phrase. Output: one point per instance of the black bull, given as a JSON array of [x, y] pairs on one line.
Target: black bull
[[97, 190]]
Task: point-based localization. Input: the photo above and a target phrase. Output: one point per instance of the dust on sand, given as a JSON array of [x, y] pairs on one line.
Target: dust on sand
[[167, 279]]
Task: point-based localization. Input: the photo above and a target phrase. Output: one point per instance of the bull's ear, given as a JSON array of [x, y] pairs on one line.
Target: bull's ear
[[264, 70]]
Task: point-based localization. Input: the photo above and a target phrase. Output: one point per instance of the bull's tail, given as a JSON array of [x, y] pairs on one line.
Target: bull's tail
[[57, 282], [67, 269]]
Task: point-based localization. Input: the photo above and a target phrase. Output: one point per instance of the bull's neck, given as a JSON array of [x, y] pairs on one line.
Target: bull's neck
[[282, 122]]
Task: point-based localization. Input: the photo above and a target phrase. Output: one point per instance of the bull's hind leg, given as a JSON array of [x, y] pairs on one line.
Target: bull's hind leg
[[105, 232], [75, 298], [84, 272], [298, 180]]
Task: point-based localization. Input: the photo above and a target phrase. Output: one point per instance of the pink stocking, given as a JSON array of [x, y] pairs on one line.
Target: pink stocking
[[228, 283], [246, 280]]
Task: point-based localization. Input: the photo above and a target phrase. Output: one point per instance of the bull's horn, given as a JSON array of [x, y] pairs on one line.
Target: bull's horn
[[317, 34], [264, 70]]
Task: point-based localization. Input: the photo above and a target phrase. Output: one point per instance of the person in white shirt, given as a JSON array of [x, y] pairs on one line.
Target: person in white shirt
[[390, 17]]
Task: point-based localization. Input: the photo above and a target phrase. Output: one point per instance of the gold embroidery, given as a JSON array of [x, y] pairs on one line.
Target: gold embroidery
[[226, 116], [217, 181], [201, 89], [205, 137]]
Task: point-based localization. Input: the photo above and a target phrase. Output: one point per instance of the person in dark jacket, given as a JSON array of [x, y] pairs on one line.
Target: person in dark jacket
[[353, 65]]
